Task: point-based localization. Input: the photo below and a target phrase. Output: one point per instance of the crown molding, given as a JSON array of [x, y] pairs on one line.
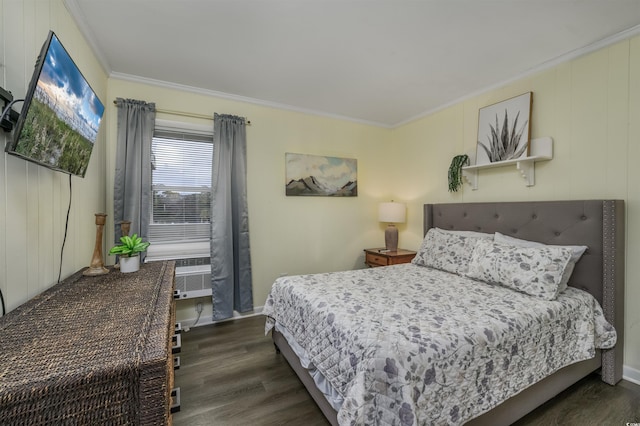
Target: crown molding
[[78, 16], [238, 98], [569, 56], [80, 20]]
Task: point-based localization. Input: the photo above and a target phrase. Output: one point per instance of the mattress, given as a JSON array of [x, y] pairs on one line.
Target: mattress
[[408, 344]]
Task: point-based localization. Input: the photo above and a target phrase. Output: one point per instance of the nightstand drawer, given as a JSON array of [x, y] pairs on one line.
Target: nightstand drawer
[[381, 257], [405, 258], [375, 259]]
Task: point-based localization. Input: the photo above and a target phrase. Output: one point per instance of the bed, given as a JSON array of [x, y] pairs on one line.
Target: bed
[[413, 375]]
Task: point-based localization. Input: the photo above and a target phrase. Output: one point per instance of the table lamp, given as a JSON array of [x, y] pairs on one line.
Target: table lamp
[[392, 213]]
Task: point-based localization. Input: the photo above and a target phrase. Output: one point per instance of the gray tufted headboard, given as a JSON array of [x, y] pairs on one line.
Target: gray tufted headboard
[[598, 224]]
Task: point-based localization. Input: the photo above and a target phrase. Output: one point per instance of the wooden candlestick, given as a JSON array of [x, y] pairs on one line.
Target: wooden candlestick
[[125, 227], [97, 265]]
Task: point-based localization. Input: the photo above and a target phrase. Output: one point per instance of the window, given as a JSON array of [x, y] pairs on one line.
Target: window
[[181, 186], [180, 225]]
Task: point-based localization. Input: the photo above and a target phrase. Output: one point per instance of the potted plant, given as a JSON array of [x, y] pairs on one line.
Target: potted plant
[[455, 172], [129, 250]]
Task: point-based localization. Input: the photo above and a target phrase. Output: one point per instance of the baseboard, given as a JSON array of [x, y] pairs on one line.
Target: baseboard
[[189, 322], [631, 374]]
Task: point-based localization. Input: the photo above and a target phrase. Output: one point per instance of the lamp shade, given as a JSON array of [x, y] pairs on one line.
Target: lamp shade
[[392, 212]]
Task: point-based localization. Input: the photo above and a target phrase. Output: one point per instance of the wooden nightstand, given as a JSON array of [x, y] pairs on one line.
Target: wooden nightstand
[[380, 257]]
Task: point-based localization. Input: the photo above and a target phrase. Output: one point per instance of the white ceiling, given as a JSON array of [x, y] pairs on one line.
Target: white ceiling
[[378, 61]]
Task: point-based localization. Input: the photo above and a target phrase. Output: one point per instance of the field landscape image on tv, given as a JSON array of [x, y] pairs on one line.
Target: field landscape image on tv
[[64, 116]]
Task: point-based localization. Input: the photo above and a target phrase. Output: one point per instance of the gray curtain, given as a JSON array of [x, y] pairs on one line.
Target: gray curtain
[[132, 186], [230, 258]]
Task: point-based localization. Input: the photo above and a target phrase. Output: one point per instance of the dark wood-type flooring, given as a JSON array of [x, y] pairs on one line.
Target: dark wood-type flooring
[[231, 375]]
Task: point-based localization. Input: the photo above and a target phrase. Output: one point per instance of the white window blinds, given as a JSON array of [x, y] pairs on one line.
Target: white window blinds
[[181, 186]]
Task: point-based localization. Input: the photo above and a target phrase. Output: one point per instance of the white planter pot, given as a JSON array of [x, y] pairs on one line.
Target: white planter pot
[[129, 264]]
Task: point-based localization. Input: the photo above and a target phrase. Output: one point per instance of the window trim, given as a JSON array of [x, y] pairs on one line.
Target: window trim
[[182, 126]]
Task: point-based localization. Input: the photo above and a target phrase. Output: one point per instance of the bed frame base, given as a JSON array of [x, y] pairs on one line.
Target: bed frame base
[[506, 413], [303, 374], [529, 399]]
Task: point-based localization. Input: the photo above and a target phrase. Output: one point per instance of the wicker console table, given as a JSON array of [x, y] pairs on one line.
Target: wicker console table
[[91, 350]]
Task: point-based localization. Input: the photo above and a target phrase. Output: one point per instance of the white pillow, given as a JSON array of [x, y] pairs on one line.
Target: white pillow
[[447, 251], [536, 271], [576, 253]]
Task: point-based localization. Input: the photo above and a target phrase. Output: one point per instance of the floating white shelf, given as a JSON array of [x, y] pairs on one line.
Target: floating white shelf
[[541, 149]]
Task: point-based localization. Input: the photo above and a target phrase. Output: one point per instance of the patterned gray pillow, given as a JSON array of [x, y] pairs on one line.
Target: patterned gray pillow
[[536, 271], [576, 254], [447, 251]]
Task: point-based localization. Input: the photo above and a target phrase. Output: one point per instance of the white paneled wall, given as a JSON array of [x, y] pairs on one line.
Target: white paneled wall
[[33, 199]]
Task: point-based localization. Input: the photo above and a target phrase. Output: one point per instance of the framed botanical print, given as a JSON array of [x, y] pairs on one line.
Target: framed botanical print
[[504, 130]]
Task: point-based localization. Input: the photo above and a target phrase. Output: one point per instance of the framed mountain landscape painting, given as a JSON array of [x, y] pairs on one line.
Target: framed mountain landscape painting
[[504, 130], [315, 175]]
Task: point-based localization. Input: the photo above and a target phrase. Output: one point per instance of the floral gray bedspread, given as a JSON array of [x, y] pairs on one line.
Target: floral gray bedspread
[[411, 345]]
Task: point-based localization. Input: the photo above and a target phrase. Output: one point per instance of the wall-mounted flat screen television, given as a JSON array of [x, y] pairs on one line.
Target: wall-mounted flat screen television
[[61, 114]]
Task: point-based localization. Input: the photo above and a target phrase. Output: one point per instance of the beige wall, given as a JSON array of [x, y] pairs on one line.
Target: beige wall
[[292, 235], [33, 199], [589, 106]]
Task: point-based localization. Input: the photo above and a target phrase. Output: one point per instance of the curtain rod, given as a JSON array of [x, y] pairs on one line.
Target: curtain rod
[[187, 114]]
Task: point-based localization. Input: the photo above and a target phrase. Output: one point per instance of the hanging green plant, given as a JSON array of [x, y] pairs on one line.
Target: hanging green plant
[[455, 171]]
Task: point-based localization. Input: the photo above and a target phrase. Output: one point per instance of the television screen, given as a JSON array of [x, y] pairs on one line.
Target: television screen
[[61, 114]]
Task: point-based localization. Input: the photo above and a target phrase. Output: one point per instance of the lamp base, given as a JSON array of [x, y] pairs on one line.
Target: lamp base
[[391, 238]]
